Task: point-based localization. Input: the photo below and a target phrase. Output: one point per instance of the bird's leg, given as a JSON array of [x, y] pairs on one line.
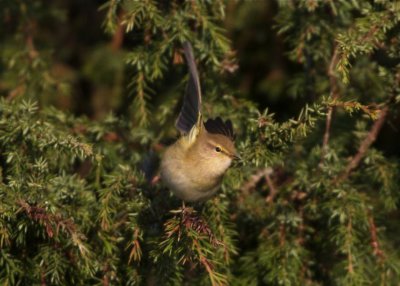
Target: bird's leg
[[190, 218], [187, 211]]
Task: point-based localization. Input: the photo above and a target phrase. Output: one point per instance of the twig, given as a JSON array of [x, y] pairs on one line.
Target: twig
[[374, 238], [282, 234], [118, 36], [365, 144], [52, 222], [42, 278], [254, 179], [272, 189], [301, 227], [106, 280], [350, 267], [334, 94], [257, 177]]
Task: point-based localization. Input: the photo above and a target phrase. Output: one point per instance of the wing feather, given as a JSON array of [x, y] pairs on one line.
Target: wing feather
[[191, 108], [218, 126]]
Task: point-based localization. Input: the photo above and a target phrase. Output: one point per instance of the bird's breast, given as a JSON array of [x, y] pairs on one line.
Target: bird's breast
[[189, 179]]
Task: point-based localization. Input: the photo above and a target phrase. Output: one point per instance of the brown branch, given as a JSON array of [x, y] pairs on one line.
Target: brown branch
[[334, 94], [350, 266], [282, 234], [374, 238], [272, 189], [118, 37], [327, 129], [301, 228], [136, 251], [365, 144], [51, 222], [106, 280], [42, 278], [254, 179], [32, 52], [371, 137], [371, 109], [19, 89]]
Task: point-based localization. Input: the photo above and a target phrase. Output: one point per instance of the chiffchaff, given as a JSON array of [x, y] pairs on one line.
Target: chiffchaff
[[193, 167]]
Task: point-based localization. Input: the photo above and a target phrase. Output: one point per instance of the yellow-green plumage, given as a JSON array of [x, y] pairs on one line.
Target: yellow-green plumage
[[194, 171], [193, 167]]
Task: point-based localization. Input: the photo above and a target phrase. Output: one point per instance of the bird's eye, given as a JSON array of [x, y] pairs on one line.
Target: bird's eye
[[218, 149]]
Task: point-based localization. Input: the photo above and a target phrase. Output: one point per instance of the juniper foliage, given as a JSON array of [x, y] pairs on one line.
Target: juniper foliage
[[315, 201]]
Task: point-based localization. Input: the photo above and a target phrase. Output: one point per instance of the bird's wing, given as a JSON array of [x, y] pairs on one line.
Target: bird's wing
[[218, 126], [190, 114]]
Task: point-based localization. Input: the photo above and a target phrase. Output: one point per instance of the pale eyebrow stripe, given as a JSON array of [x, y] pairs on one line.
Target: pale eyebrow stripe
[[214, 145]]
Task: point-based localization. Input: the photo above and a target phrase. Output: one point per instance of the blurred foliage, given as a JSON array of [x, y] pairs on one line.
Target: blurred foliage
[[89, 94]]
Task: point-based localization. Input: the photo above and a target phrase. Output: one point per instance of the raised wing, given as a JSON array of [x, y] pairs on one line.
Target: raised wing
[[218, 126], [191, 108]]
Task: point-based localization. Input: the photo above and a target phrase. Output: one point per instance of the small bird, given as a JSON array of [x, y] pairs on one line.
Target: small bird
[[193, 167]]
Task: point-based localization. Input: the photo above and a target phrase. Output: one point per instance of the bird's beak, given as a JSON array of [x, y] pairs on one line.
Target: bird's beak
[[236, 156]]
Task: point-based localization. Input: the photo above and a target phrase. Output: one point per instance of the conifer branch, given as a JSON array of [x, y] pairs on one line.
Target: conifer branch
[[365, 144], [136, 250], [52, 223], [65, 177]]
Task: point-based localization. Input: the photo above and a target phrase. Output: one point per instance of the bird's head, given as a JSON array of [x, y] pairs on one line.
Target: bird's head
[[216, 152], [220, 146], [211, 146]]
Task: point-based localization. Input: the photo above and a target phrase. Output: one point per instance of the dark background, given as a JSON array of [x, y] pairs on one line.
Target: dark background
[[92, 61]]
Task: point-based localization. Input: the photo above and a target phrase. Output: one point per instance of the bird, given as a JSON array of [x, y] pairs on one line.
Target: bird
[[193, 167]]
